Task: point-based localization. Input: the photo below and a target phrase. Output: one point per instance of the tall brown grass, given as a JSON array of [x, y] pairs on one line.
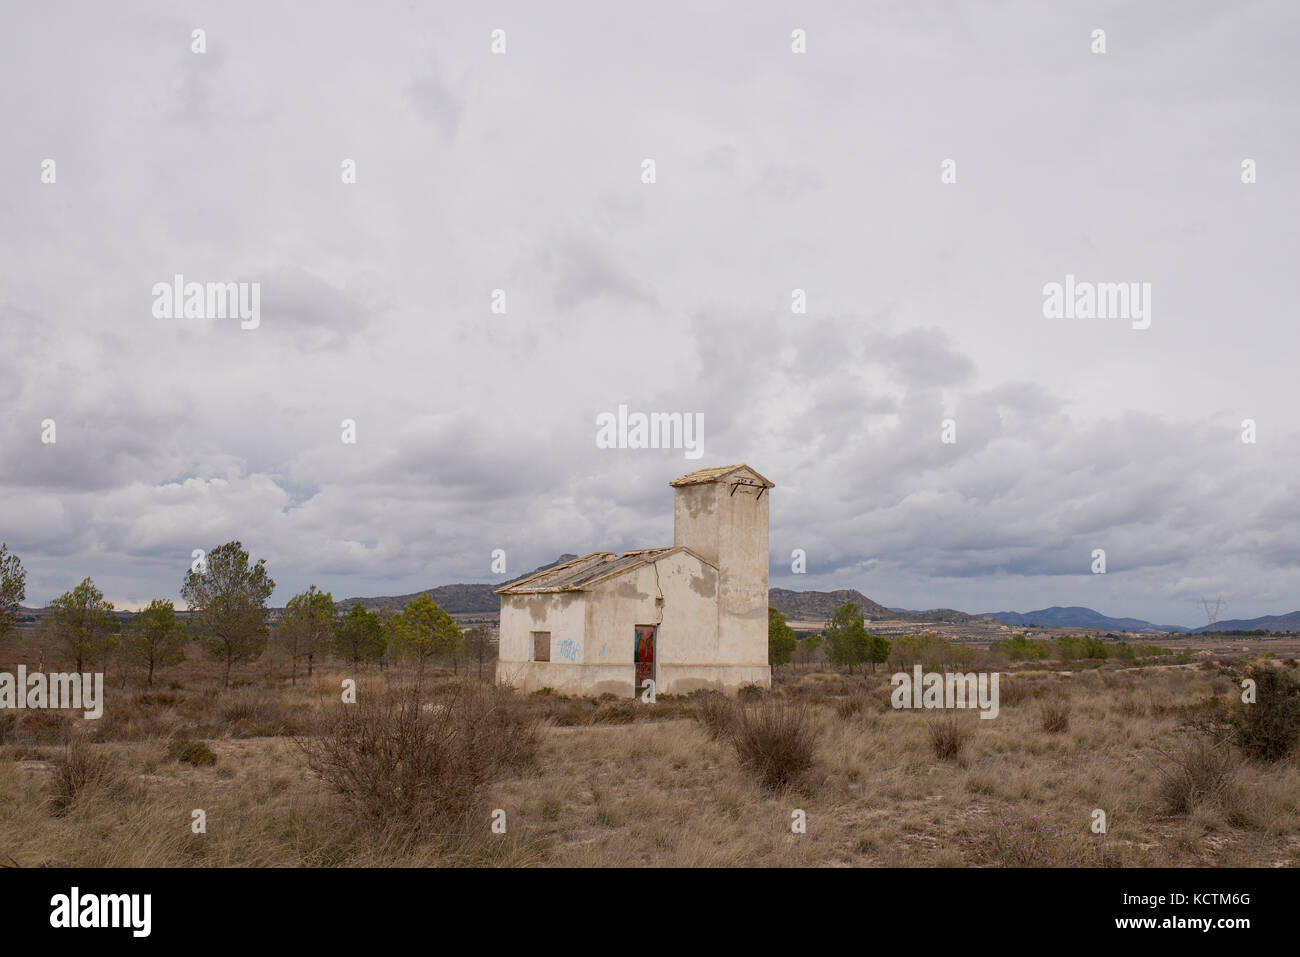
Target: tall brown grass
[[947, 736], [776, 741], [1198, 772], [79, 770], [1055, 716]]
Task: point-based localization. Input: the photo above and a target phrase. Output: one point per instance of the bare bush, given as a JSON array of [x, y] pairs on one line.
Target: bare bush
[[775, 740], [1055, 716], [80, 770], [1200, 771], [413, 767], [947, 737]]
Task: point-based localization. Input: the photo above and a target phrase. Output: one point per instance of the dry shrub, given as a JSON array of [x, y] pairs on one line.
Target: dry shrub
[[947, 736], [80, 770], [775, 740], [194, 753], [561, 711], [41, 726], [1198, 772], [1013, 692], [249, 713], [853, 705], [619, 711], [716, 714], [412, 768], [1269, 728], [1055, 716]]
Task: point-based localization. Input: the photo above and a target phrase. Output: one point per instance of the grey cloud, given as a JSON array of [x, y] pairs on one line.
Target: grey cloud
[[434, 101], [818, 172]]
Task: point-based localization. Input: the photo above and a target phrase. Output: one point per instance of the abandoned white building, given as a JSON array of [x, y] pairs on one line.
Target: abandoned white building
[[690, 617]]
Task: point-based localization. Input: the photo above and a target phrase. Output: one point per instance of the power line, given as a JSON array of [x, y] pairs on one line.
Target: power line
[[1212, 607]]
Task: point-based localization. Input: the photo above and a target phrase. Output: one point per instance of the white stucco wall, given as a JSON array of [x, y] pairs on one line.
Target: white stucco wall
[[712, 618], [563, 614], [731, 529], [686, 618]]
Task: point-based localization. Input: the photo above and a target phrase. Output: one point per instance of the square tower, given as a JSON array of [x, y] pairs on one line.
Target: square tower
[[721, 514]]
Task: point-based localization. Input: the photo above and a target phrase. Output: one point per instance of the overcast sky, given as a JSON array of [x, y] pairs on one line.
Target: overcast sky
[[775, 171]]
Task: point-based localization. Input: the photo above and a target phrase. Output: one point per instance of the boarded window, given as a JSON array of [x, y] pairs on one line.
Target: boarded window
[[541, 646]]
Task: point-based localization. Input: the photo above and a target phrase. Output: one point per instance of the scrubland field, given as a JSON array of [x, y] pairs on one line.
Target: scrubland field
[[290, 776]]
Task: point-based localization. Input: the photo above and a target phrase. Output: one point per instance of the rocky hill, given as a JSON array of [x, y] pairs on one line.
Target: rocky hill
[[819, 605]]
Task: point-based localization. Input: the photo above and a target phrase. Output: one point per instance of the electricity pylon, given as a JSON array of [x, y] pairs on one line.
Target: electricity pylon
[[1212, 607]]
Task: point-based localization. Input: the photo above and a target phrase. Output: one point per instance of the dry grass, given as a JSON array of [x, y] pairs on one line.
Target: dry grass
[[717, 716], [662, 784]]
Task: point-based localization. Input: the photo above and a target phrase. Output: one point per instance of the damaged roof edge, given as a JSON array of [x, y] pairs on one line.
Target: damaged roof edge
[[599, 573], [589, 557], [718, 474]]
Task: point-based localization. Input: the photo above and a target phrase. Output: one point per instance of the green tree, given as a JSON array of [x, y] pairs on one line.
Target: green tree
[[1020, 648], [1068, 648], [1093, 647], [82, 624], [423, 631], [781, 642], [878, 648], [156, 638], [228, 596], [306, 627], [13, 589], [359, 635], [847, 642]]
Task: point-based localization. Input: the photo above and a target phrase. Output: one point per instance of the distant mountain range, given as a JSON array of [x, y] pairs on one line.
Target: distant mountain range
[[1287, 622], [1078, 617], [481, 598], [455, 599]]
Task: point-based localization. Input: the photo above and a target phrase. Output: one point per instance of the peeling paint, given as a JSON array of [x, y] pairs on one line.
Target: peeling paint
[[706, 584], [707, 594]]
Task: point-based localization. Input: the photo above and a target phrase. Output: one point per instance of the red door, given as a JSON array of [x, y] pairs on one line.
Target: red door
[[644, 656]]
